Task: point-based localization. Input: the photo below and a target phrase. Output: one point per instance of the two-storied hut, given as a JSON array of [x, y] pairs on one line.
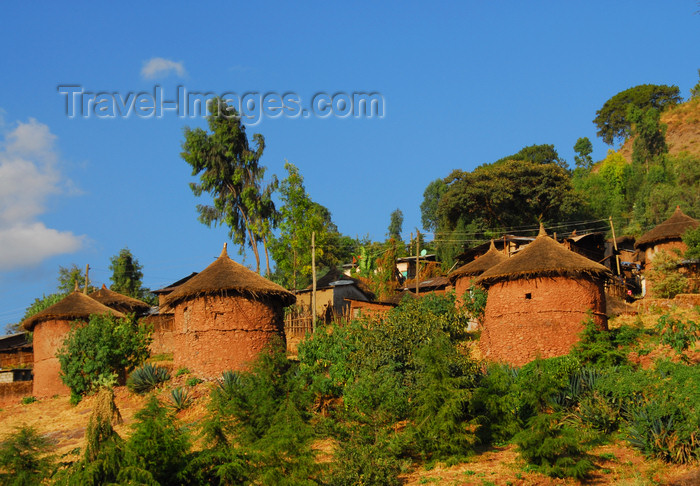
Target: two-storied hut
[[463, 277], [50, 327], [224, 317], [538, 301], [122, 303]]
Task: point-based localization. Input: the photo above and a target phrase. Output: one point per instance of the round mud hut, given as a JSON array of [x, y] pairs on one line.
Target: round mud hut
[[120, 302], [538, 301], [463, 277], [50, 327], [225, 316], [666, 236]]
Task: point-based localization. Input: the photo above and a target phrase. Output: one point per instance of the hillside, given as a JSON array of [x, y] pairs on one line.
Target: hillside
[[615, 460], [683, 132]]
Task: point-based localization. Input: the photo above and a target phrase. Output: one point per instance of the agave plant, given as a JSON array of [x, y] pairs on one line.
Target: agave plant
[[147, 377], [181, 399], [228, 382]]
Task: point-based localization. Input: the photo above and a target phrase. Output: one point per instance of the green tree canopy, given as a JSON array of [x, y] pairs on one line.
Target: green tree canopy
[[300, 216], [583, 149], [612, 119], [395, 225], [508, 193], [537, 154], [429, 206], [126, 274], [229, 171]]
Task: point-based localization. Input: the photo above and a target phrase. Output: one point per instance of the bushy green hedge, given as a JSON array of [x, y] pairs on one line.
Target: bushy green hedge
[[102, 349]]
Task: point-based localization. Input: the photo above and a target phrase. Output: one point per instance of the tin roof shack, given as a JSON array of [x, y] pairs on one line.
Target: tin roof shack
[[332, 292], [666, 236], [437, 285], [50, 327], [225, 316], [463, 277], [590, 245], [538, 301], [377, 308]]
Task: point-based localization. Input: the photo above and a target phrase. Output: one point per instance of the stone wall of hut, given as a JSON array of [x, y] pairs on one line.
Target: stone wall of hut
[[217, 333], [462, 284], [541, 317], [48, 338], [163, 326]]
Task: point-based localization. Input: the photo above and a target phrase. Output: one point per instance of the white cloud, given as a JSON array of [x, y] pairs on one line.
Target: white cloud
[[157, 67], [28, 176]]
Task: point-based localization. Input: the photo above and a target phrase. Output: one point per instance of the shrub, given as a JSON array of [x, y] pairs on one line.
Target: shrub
[[604, 348], [554, 446], [23, 458], [182, 371], [194, 381], [104, 346], [667, 281], [676, 333], [158, 446], [29, 399], [147, 377], [442, 424]]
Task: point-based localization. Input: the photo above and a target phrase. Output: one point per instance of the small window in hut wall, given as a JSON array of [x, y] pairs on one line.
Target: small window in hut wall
[[528, 296]]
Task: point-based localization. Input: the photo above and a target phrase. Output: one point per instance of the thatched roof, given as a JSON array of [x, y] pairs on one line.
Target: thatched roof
[[480, 265], [118, 301], [671, 229], [75, 305], [544, 257], [225, 276]]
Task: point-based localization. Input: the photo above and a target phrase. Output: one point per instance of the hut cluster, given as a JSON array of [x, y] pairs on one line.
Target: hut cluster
[[540, 295]]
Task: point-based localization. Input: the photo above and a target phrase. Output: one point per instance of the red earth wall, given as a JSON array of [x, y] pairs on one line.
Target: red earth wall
[[48, 337], [163, 333], [217, 333], [518, 329]]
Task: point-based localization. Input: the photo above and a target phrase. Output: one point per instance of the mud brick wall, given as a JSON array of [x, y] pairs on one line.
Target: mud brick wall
[[163, 326], [48, 338], [462, 284], [368, 309], [11, 393], [540, 317], [217, 333]]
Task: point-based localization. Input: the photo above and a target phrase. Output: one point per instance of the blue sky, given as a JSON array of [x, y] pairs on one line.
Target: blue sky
[[464, 83]]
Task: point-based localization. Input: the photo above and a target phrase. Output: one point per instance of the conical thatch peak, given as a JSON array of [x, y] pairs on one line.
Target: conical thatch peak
[[480, 265], [225, 276], [544, 257], [75, 305], [543, 232], [672, 228], [118, 301]]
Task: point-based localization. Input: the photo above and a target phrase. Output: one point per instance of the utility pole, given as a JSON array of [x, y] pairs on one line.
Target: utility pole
[[617, 257], [417, 259], [313, 279], [87, 269]]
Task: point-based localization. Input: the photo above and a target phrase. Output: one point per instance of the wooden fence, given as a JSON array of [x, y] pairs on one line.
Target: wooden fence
[[297, 326]]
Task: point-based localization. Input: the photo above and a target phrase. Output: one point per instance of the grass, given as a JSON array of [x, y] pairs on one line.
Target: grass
[[161, 357]]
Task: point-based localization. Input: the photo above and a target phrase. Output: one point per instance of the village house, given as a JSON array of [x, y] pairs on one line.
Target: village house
[[50, 328], [120, 302], [333, 291], [463, 277], [538, 301], [224, 317], [667, 237]]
